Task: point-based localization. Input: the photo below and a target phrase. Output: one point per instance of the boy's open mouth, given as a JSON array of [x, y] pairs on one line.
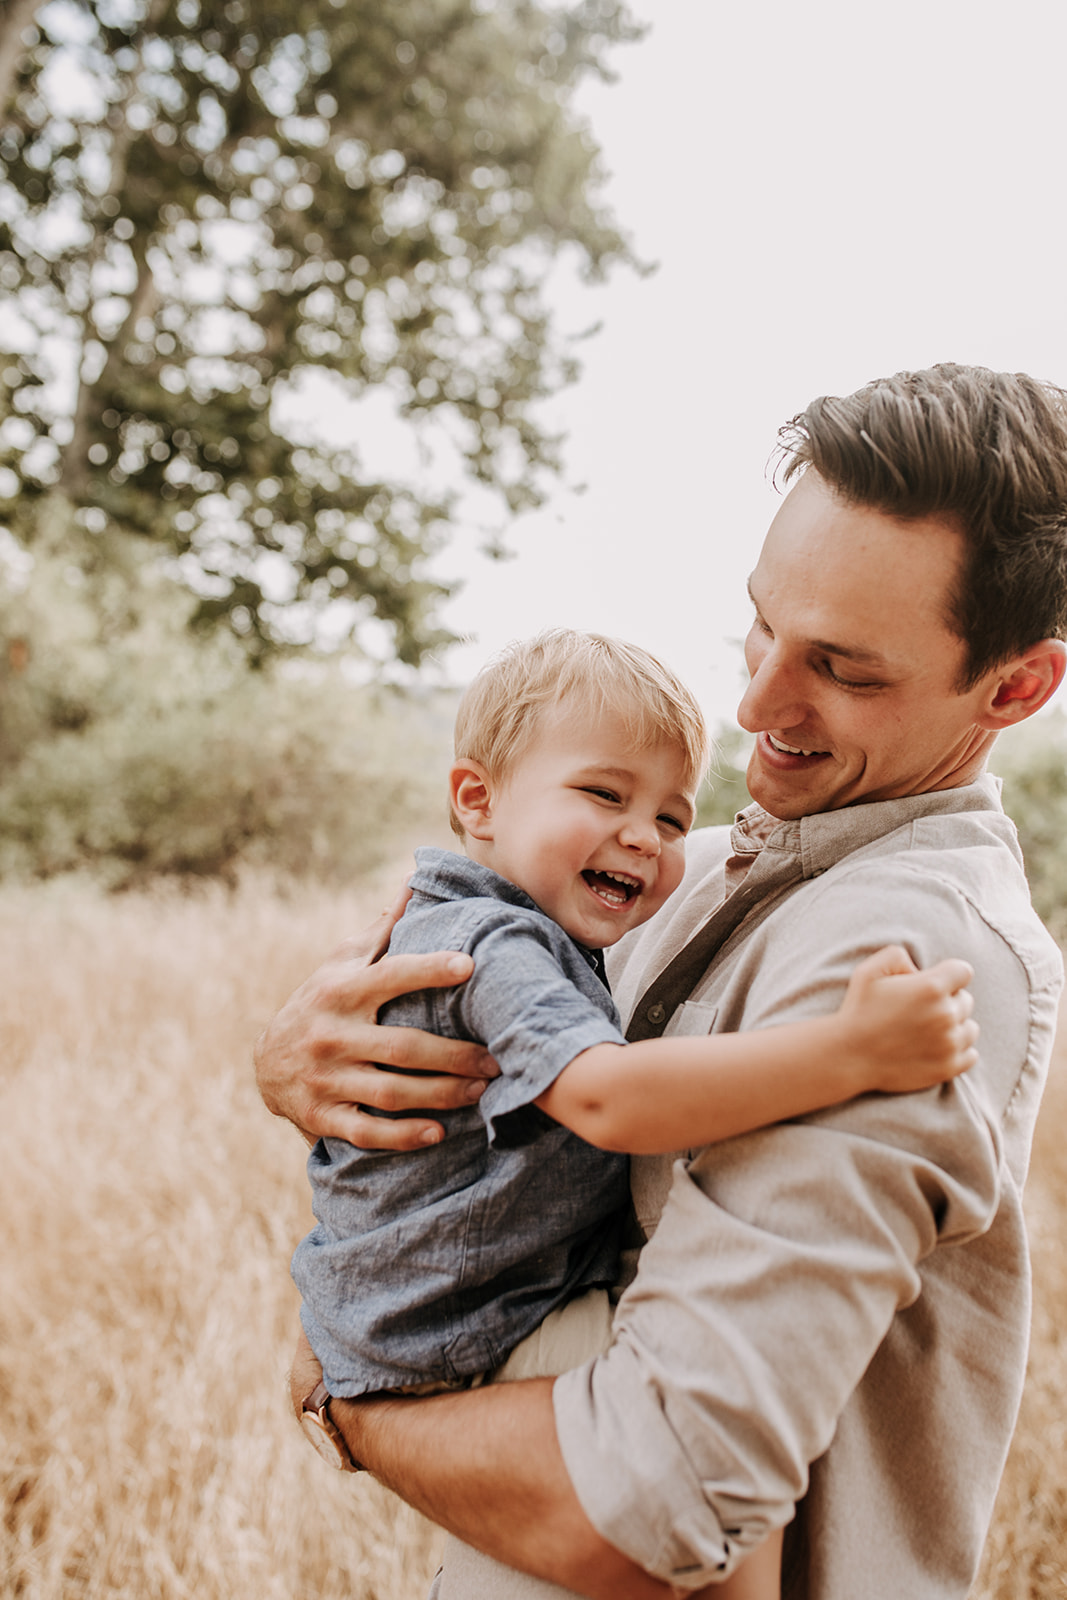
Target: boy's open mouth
[[614, 888]]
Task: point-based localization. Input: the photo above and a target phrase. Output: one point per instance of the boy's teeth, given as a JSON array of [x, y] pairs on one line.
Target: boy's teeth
[[615, 887]]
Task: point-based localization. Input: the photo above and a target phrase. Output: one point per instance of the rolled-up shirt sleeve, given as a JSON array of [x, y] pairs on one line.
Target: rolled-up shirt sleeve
[[779, 1264], [758, 1305]]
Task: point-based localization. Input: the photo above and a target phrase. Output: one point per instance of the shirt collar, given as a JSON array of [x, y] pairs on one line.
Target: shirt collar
[[446, 875], [828, 836]]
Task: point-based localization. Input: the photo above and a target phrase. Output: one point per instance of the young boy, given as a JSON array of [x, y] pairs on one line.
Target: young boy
[[578, 759]]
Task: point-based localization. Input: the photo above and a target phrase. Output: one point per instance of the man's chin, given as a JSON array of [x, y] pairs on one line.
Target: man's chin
[[790, 794]]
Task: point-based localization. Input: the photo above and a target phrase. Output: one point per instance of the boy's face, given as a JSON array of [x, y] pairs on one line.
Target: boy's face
[[591, 828]]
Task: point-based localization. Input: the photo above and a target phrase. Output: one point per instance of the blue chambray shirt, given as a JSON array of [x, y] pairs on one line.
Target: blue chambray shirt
[[432, 1265]]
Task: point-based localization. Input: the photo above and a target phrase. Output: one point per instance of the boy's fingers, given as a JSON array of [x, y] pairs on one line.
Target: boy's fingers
[[953, 974], [888, 962]]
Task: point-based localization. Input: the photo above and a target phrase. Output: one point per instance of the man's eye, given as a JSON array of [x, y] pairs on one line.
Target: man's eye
[[848, 683]]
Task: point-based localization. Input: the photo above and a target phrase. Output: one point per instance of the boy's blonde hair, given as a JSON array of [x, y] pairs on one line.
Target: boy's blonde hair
[[500, 712]]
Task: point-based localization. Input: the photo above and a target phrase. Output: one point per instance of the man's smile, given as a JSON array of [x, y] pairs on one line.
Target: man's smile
[[792, 749]]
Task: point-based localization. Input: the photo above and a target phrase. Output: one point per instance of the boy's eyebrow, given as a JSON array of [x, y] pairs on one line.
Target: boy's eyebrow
[[848, 652], [609, 771]]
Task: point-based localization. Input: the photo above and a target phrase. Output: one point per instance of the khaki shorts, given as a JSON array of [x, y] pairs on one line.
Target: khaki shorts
[[568, 1337]]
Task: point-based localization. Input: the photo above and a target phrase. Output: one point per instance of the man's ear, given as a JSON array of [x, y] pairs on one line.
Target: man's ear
[[1021, 686], [471, 791]]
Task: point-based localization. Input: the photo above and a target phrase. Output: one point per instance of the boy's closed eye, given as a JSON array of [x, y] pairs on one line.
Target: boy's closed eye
[[676, 823]]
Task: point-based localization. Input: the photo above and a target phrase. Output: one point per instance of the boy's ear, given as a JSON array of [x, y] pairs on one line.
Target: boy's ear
[[470, 789], [1021, 686]]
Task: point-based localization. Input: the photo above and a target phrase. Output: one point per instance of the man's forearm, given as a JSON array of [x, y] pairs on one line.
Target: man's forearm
[[486, 1465]]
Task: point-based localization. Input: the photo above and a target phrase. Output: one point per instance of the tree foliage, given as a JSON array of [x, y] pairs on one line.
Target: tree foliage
[[203, 200]]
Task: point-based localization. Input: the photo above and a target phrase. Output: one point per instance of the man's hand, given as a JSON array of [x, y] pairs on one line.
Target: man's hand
[[315, 1062], [485, 1464], [304, 1374]]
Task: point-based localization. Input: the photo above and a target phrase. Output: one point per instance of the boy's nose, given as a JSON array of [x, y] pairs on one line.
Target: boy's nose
[[638, 834]]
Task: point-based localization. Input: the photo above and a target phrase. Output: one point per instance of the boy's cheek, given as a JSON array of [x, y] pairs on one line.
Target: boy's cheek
[[674, 874]]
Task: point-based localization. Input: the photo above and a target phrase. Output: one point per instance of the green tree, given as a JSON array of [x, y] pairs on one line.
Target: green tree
[[202, 200], [724, 793]]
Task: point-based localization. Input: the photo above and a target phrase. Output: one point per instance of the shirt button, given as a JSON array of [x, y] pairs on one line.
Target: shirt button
[[655, 1013]]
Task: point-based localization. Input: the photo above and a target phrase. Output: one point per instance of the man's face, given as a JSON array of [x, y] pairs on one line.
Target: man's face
[[852, 664]]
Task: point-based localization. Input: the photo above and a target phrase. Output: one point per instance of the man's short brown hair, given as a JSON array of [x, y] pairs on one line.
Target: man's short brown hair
[[987, 452]]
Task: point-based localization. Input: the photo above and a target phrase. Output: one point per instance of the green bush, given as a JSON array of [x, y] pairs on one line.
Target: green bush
[[302, 778], [131, 750], [1032, 760], [724, 793]]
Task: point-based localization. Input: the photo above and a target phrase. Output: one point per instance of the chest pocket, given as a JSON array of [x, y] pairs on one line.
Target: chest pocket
[[650, 1176], [693, 1018]]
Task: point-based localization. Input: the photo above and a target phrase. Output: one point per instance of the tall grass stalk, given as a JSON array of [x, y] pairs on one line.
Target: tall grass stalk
[[149, 1206]]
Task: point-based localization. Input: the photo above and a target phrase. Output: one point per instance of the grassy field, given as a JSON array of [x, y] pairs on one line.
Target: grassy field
[[149, 1206]]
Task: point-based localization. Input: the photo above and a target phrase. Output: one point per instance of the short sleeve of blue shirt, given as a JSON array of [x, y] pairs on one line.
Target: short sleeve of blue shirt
[[535, 999], [428, 1266]]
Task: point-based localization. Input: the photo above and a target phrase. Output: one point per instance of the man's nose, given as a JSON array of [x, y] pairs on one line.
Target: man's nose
[[773, 698]]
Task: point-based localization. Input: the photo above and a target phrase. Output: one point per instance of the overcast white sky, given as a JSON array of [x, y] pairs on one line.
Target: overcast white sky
[[833, 191]]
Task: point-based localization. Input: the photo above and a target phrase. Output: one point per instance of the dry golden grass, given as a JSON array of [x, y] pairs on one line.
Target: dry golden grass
[[1026, 1554], [150, 1205]]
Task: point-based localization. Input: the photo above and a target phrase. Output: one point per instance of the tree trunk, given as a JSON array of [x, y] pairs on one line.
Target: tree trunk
[[15, 17], [74, 467]]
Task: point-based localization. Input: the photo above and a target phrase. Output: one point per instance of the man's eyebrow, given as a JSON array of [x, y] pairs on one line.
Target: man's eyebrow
[[848, 652], [868, 658]]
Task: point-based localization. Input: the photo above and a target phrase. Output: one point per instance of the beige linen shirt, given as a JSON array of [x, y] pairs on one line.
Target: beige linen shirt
[[833, 1311]]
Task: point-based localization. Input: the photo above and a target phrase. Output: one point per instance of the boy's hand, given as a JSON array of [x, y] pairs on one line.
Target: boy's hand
[[315, 1062], [912, 1028]]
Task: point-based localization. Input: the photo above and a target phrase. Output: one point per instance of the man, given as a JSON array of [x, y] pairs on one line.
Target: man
[[832, 1313]]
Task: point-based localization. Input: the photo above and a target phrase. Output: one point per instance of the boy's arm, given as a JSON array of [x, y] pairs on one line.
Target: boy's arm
[[898, 1030]]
